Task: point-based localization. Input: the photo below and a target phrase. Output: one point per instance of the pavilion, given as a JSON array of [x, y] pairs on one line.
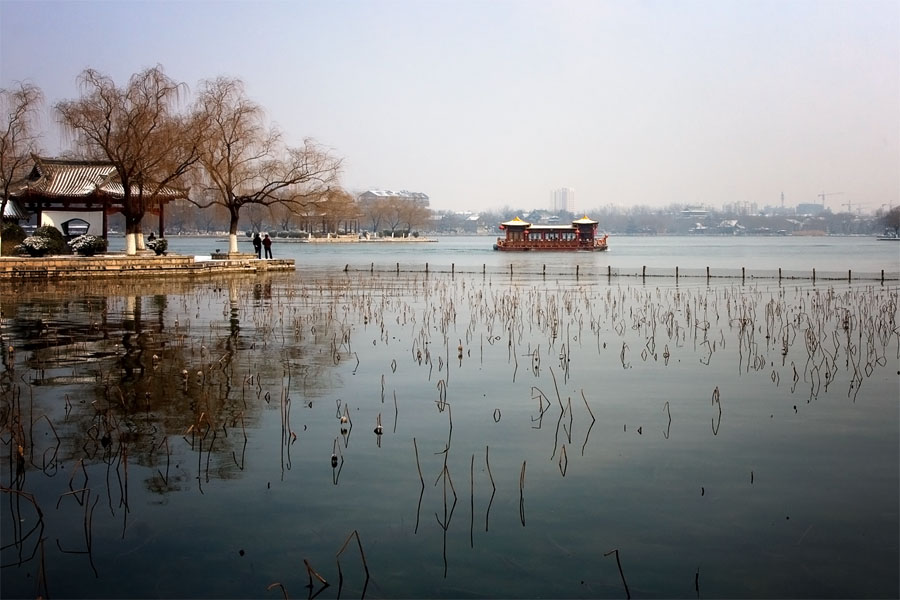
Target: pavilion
[[77, 196]]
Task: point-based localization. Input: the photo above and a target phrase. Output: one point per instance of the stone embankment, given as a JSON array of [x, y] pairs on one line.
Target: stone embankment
[[356, 239], [112, 265]]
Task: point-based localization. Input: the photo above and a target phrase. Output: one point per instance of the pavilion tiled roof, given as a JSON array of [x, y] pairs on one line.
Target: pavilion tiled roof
[[79, 178], [57, 177], [13, 210]]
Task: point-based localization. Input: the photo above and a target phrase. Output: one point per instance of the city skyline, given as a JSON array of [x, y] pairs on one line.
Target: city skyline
[[492, 104]]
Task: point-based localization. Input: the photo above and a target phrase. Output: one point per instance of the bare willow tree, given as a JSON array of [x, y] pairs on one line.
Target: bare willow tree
[[339, 206], [19, 139], [244, 162], [404, 214], [140, 131]]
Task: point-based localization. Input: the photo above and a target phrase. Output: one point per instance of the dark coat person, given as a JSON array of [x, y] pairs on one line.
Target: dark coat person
[[267, 244], [257, 245]]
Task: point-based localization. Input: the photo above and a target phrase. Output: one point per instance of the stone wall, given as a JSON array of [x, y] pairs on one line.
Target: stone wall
[[59, 267]]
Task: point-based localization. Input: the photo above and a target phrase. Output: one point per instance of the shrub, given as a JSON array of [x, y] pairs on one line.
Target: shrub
[[88, 245], [159, 245], [13, 234], [13, 231], [56, 242], [45, 240], [34, 245]]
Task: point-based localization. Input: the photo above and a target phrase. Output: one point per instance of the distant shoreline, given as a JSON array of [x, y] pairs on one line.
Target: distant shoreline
[[349, 239]]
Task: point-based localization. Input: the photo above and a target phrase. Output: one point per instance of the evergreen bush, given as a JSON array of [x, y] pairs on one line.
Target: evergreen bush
[[12, 235], [45, 240], [56, 240], [159, 245], [88, 245]]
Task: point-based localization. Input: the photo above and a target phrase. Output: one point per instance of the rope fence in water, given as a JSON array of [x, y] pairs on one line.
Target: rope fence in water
[[643, 272]]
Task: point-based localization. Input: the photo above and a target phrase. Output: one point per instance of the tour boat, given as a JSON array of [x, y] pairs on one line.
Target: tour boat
[[522, 235]]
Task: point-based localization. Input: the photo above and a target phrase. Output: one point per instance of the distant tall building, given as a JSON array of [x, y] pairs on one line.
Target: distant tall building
[[563, 199]]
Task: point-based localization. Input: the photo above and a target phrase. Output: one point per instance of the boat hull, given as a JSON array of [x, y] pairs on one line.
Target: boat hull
[[507, 246]]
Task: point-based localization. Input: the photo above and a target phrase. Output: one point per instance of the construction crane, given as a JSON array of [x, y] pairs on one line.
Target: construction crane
[[823, 194]]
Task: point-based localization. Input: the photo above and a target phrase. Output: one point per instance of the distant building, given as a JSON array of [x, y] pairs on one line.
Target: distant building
[[693, 213], [741, 208], [730, 226], [810, 209], [373, 195], [563, 200]]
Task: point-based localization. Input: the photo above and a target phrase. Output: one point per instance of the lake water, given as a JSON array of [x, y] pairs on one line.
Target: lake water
[[546, 430], [798, 256]]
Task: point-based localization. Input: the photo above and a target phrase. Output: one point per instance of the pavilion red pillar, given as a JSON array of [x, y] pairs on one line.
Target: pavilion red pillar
[[162, 226]]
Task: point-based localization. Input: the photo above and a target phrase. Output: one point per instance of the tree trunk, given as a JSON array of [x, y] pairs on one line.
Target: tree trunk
[[232, 232], [2, 212], [133, 216]]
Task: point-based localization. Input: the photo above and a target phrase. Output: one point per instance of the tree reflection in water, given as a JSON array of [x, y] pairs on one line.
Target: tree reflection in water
[[138, 365]]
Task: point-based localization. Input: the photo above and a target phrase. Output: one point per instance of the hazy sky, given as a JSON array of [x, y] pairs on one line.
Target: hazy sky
[[493, 103]]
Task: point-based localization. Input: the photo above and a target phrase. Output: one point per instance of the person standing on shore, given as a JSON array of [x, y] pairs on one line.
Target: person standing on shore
[[257, 245], [267, 244]]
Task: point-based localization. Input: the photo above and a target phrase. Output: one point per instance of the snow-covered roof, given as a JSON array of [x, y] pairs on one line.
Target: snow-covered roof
[[13, 210], [395, 194]]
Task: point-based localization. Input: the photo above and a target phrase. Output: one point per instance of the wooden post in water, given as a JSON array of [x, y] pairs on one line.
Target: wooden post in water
[[814, 276], [426, 268], [882, 276], [510, 270], [849, 275], [346, 268], [676, 274], [742, 274], [544, 271], [779, 274], [371, 268], [453, 268], [643, 273], [483, 269], [577, 267], [398, 268], [609, 272], [707, 275]]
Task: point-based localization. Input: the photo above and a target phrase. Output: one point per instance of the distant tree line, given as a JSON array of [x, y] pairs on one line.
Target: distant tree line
[[671, 220]]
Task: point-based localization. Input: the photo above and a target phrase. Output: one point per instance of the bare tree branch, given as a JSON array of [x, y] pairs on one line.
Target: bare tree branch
[[19, 138], [138, 129], [244, 162]]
